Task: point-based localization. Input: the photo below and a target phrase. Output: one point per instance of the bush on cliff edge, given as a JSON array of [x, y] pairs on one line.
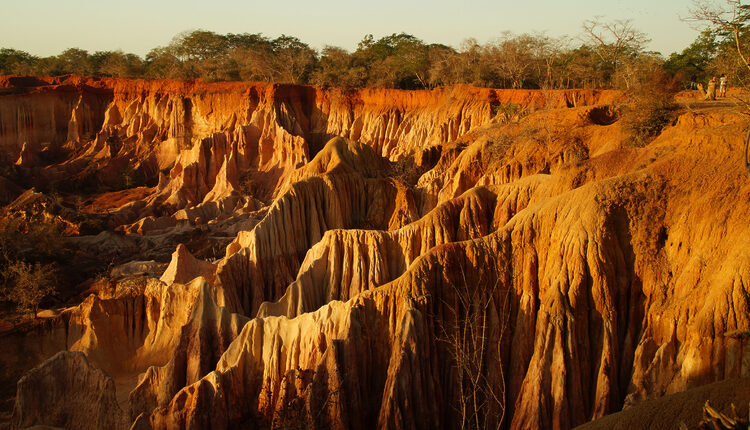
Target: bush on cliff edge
[[649, 107]]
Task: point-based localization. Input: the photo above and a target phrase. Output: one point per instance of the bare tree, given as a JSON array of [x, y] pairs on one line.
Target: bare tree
[[478, 319], [729, 17], [613, 40], [547, 51], [304, 399], [513, 57]]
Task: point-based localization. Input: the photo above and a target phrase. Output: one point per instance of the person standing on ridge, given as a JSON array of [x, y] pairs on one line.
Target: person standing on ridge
[[711, 90], [723, 85]]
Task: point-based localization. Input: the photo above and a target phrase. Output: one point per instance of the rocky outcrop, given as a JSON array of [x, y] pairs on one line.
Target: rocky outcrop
[[275, 360], [184, 268], [65, 391], [580, 267], [344, 263], [203, 339], [55, 112], [271, 253]]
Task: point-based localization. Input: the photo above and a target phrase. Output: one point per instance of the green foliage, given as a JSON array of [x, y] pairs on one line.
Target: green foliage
[[505, 110], [399, 60], [117, 64], [28, 284], [694, 62], [72, 60], [161, 63], [39, 241], [16, 62], [717, 50], [199, 45], [28, 251], [396, 61], [335, 68]]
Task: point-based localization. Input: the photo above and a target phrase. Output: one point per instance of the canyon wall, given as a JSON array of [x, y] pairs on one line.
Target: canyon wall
[[602, 274]]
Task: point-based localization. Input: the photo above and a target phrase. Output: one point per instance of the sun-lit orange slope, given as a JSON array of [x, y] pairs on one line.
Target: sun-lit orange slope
[[619, 274]]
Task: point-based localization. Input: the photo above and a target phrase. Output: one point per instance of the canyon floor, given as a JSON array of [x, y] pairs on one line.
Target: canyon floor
[[244, 255]]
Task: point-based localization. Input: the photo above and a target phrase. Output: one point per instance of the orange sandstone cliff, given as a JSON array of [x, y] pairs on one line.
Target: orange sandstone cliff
[[355, 229]]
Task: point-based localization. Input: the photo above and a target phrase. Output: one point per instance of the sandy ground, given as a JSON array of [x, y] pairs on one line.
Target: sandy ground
[[669, 411]]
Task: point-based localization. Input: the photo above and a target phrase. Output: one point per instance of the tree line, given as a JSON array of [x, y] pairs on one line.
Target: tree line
[[608, 54]]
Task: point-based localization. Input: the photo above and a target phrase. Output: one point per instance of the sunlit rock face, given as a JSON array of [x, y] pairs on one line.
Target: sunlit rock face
[[360, 229]]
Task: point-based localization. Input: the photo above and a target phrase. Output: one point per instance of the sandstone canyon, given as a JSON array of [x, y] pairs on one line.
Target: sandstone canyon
[[280, 256]]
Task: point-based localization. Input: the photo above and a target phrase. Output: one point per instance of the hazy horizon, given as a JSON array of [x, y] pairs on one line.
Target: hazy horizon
[[43, 28]]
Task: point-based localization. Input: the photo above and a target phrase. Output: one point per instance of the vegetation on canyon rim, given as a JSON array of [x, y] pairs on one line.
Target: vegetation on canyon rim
[[606, 54]]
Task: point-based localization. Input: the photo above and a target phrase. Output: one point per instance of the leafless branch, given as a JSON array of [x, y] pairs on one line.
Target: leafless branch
[[473, 331]]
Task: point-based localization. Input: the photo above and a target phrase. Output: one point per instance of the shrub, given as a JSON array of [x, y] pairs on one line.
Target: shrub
[[650, 106], [506, 111], [250, 186], [28, 251], [28, 284], [37, 240], [407, 170]]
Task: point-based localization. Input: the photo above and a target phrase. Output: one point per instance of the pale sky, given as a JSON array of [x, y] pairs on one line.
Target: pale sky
[[47, 27]]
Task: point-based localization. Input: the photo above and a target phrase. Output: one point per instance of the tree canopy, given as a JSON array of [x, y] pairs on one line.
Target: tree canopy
[[602, 57]]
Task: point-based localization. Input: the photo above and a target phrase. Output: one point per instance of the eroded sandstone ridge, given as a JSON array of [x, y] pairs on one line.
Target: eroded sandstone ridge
[[348, 234]]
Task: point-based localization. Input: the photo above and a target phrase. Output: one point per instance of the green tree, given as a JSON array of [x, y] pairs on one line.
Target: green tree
[[198, 45], [584, 68], [33, 240], [293, 61], [729, 24], [117, 64], [13, 61], [161, 63], [397, 61], [695, 61], [202, 54], [246, 40], [335, 68], [29, 284], [73, 60]]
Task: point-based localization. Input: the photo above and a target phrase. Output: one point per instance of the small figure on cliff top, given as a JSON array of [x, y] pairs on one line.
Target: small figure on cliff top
[[711, 90], [723, 85]]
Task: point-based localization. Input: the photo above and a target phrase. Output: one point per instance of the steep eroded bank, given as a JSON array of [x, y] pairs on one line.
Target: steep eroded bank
[[609, 274]]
